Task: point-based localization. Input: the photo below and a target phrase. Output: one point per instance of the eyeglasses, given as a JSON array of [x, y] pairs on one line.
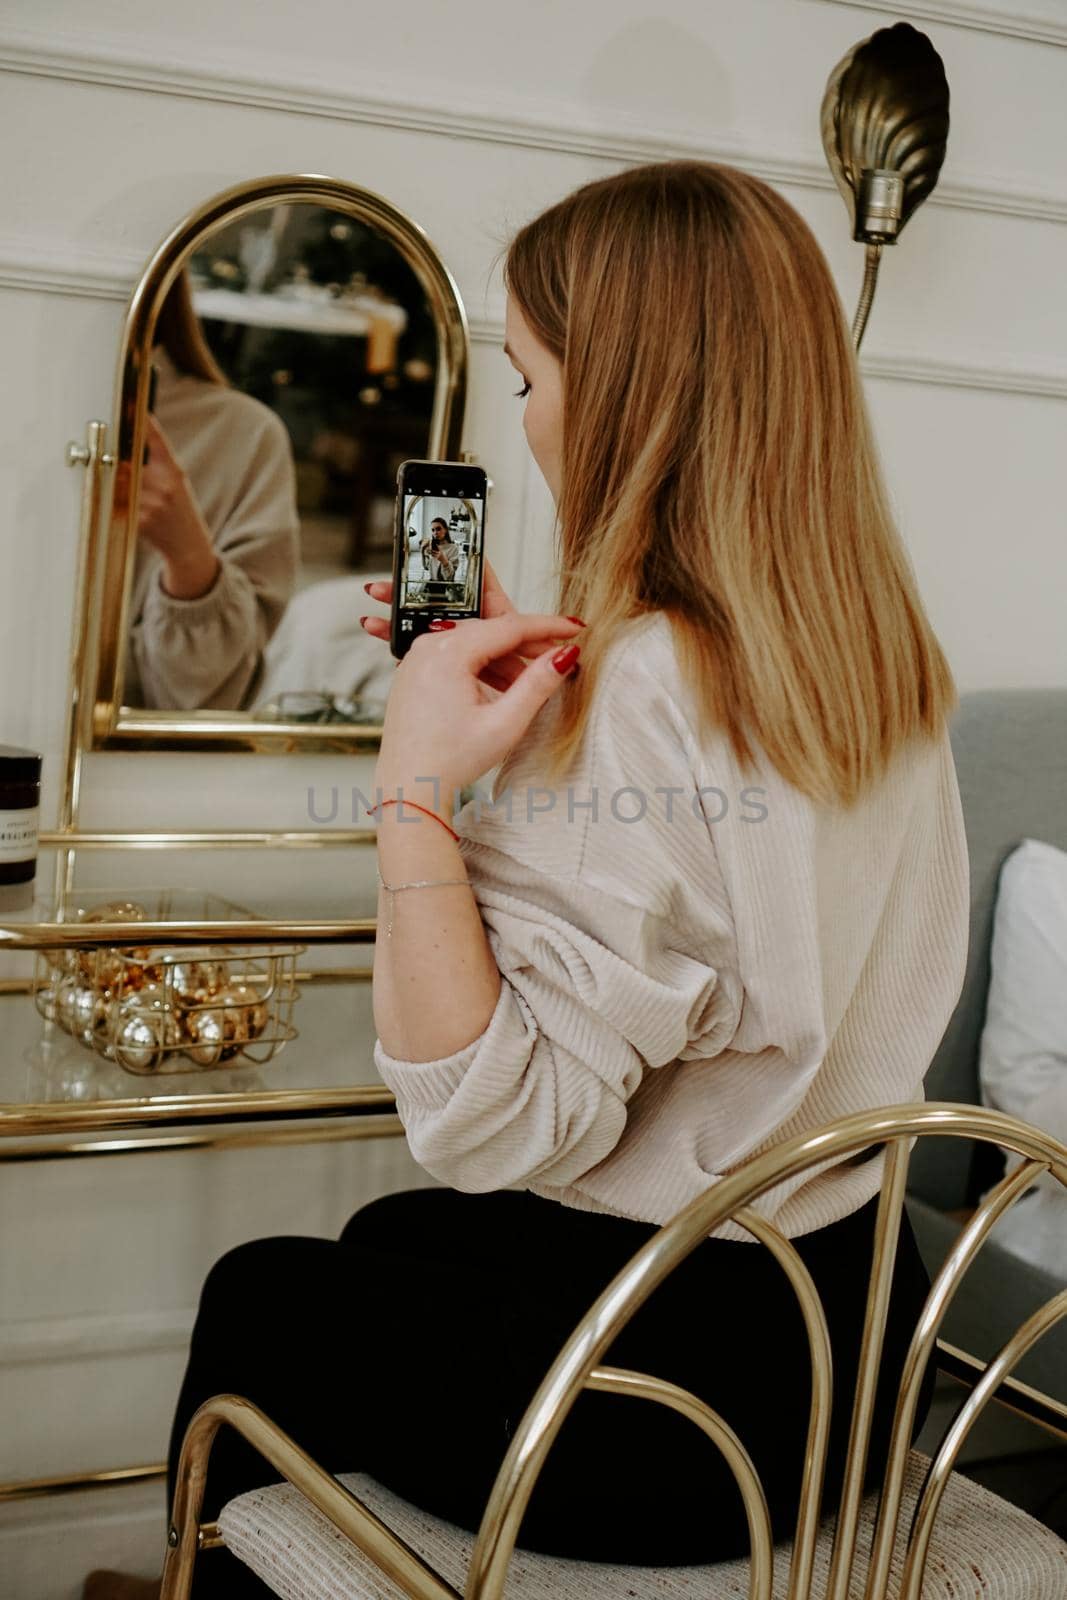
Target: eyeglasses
[[319, 705]]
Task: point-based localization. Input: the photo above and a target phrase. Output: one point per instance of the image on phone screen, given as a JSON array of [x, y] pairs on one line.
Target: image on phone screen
[[442, 552]]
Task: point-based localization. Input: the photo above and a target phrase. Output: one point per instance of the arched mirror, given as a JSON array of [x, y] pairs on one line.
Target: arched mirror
[[287, 347]]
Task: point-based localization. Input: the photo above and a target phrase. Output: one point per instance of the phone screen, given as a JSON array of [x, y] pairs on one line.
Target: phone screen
[[440, 540]]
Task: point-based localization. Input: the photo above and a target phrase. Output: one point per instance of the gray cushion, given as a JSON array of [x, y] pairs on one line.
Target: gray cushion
[[1010, 747], [997, 1294], [982, 1545]]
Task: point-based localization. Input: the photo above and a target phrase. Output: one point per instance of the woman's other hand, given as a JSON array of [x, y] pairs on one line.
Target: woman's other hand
[[442, 722], [169, 519]]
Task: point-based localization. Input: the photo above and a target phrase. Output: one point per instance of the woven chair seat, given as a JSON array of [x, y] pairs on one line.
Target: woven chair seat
[[982, 1547]]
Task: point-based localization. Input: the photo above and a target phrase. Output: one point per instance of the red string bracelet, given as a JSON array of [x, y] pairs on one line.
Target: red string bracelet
[[416, 807]]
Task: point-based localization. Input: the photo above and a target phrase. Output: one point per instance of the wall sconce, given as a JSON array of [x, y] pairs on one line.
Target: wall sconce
[[885, 131]]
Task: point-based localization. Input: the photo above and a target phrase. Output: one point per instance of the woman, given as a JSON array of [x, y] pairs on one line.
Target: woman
[[218, 549], [720, 899], [440, 555]]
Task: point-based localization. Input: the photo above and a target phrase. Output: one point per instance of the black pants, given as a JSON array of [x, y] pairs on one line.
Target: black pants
[[410, 1347]]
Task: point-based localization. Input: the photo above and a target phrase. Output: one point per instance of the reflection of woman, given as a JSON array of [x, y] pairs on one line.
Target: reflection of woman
[[219, 536], [440, 556]]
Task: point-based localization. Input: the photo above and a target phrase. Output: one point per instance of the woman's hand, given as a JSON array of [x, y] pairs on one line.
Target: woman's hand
[[168, 517], [495, 603], [442, 723]]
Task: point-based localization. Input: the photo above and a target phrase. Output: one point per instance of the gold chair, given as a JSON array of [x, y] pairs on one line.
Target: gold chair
[[316, 1537]]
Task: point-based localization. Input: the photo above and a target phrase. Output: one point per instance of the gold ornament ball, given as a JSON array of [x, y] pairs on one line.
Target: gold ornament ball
[[193, 982], [106, 967], [140, 969], [98, 968], [255, 1013], [61, 960], [66, 989], [45, 998], [86, 1005], [138, 1046], [204, 1045], [145, 1033], [217, 1035], [147, 997], [115, 911]]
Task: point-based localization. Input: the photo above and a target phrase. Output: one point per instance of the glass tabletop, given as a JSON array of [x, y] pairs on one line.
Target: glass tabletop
[[98, 916], [327, 1067], [309, 1054]]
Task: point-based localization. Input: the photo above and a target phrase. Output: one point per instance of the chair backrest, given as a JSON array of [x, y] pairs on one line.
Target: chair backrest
[[736, 1197], [1010, 748]]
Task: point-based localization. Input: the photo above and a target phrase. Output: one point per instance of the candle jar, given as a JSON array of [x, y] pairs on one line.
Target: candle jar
[[20, 801]]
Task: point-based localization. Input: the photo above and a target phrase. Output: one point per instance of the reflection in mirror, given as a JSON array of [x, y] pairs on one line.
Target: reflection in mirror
[[441, 544], [295, 362]]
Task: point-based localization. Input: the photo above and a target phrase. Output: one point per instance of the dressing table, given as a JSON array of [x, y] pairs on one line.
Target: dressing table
[[236, 258]]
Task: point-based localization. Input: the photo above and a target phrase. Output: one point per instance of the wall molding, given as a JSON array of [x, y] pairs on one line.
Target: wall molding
[[43, 269], [36, 268], [961, 14], [85, 1336], [542, 127], [899, 368]]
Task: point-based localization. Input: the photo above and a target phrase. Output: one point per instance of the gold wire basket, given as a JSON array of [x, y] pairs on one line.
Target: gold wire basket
[[154, 1009]]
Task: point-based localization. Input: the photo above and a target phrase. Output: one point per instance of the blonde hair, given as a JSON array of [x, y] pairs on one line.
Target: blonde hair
[[178, 330], [718, 465]]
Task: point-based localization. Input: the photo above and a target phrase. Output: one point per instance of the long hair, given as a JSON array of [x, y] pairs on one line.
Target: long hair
[[718, 464], [178, 330]]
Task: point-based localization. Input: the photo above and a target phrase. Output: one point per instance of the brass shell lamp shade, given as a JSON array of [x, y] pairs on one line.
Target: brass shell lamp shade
[[885, 131]]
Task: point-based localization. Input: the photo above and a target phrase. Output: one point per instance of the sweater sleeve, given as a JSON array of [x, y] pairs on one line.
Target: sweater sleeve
[[594, 993], [614, 940]]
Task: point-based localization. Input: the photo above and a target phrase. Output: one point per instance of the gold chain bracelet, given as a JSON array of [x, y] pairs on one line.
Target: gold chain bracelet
[[416, 883]]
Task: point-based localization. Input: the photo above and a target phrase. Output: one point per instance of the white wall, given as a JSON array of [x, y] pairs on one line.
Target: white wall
[[471, 116]]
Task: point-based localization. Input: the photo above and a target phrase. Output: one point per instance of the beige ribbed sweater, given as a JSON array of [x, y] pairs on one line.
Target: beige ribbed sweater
[[703, 966], [207, 653]]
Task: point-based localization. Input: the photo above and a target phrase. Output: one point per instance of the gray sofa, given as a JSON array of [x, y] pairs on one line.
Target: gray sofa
[[1011, 757]]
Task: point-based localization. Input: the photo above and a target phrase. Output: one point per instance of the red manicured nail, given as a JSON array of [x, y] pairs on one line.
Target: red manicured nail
[[564, 659], [579, 620], [366, 586], [362, 620], [440, 622]]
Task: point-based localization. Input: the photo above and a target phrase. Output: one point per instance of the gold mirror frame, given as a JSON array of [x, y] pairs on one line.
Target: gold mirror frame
[[107, 567]]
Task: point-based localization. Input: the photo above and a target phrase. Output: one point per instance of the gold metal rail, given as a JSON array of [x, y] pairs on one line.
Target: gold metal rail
[[68, 1482], [90, 936], [370, 1127], [207, 839], [174, 1111]]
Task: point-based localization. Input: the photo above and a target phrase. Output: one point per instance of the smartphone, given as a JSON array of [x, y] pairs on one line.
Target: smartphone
[[438, 547]]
